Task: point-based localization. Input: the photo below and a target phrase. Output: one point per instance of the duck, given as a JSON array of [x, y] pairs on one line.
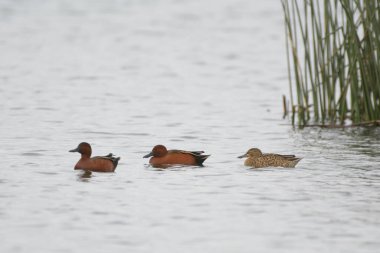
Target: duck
[[107, 163], [161, 157], [256, 159]]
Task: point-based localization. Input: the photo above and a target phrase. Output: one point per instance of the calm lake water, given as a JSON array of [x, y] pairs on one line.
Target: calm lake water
[[201, 74]]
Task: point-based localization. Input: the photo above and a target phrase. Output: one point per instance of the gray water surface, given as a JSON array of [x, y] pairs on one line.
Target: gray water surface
[[203, 74]]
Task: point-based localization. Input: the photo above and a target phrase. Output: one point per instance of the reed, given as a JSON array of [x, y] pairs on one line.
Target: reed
[[333, 61]]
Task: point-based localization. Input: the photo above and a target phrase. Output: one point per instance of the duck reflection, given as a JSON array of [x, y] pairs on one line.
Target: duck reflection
[[84, 176]]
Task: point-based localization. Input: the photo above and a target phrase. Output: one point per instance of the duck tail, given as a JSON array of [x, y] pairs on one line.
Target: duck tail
[[115, 161], [295, 161], [200, 159]]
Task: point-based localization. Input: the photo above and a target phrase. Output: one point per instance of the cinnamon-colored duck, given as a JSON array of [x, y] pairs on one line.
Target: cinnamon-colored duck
[[161, 157], [106, 163], [256, 159]]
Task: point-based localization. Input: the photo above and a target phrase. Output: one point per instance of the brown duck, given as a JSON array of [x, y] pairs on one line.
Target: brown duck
[[161, 157], [256, 159], [106, 163]]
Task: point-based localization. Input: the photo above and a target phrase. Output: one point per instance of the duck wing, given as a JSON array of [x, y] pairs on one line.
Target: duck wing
[[110, 157], [194, 153], [290, 157], [199, 158], [286, 157]]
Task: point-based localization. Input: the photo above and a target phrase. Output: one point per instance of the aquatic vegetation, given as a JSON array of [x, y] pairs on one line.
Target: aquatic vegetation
[[333, 61]]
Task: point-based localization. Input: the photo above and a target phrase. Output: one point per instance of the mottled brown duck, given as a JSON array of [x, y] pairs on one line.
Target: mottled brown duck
[[256, 159]]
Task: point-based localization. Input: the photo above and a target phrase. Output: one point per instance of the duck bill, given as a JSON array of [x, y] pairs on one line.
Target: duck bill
[[74, 150], [148, 155], [242, 156]]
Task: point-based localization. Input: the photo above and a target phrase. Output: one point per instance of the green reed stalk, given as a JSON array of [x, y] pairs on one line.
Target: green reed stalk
[[333, 60]]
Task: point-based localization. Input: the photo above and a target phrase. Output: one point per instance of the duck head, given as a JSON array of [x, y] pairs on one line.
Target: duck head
[[253, 152], [157, 151], [84, 149]]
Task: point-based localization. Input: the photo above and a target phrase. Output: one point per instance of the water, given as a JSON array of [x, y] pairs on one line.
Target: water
[[127, 75]]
